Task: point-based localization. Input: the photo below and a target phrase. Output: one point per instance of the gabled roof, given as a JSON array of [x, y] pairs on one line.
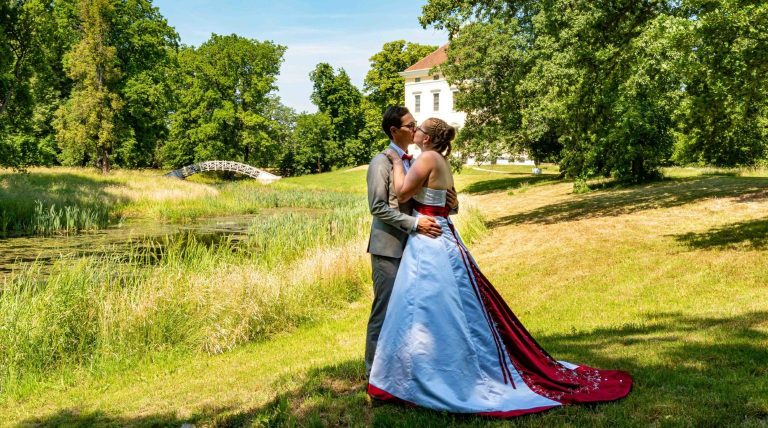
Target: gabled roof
[[430, 61]]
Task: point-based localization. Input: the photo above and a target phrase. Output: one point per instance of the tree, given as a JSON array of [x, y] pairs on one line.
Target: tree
[[335, 95], [85, 124], [556, 76], [310, 147], [722, 118], [223, 89], [383, 83], [282, 120], [146, 47], [28, 38], [613, 86]]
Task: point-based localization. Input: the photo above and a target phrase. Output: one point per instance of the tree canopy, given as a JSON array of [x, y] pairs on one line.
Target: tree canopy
[[609, 88], [223, 111], [383, 83], [603, 88]]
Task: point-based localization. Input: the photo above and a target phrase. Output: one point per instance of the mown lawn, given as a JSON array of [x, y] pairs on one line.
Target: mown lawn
[[665, 280]]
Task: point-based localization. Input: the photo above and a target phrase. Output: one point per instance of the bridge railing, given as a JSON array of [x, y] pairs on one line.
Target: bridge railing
[[219, 165]]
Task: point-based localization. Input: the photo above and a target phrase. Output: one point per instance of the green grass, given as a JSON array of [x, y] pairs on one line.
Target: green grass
[[46, 202], [346, 180], [49, 201], [298, 263], [665, 280]]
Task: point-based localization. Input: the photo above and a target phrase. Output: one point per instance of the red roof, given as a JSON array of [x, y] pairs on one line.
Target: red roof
[[430, 61]]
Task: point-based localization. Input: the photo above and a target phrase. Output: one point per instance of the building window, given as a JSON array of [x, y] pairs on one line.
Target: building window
[[417, 103], [417, 80], [436, 101], [437, 77]]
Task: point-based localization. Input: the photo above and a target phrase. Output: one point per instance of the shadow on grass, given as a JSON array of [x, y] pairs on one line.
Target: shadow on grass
[[664, 194], [700, 371], [501, 184], [19, 193], [748, 235]]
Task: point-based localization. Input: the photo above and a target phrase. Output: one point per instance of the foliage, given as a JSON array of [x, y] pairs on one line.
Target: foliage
[[29, 40], [608, 88], [223, 89], [146, 49], [85, 126], [45, 35], [335, 96], [723, 116], [105, 83], [311, 146], [383, 83], [19, 151]]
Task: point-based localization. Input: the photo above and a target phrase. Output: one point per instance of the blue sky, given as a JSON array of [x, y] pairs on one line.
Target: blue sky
[[342, 33]]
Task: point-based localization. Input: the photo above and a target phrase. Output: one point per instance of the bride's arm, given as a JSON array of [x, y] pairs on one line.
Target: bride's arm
[[398, 170], [409, 184]]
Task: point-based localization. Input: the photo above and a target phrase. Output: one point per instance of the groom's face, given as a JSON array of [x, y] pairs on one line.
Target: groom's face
[[404, 134]]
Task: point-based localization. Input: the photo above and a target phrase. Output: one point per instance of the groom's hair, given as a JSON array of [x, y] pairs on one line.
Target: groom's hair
[[393, 117]]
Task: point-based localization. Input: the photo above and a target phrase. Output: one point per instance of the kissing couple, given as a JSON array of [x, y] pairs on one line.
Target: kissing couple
[[439, 335]]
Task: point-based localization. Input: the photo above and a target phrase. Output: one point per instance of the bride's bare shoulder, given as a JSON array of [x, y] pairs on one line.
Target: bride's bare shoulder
[[430, 156]]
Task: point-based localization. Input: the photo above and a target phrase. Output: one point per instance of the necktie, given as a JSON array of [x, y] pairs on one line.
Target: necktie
[[406, 156]]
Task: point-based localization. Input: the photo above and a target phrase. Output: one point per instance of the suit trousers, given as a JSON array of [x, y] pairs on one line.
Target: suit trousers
[[384, 273]]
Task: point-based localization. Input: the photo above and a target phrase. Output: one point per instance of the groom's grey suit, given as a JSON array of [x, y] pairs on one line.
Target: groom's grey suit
[[389, 233]]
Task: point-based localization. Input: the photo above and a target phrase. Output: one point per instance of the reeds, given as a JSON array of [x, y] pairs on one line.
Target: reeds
[[49, 219], [184, 293], [195, 297], [68, 219]]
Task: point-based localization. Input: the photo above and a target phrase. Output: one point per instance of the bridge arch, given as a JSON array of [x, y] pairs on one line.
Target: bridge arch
[[219, 165]]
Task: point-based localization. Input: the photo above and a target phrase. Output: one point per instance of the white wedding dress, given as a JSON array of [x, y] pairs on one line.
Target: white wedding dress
[[449, 341]]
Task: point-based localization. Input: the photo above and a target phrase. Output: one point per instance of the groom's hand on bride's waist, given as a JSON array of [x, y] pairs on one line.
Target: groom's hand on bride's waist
[[452, 199], [427, 225]]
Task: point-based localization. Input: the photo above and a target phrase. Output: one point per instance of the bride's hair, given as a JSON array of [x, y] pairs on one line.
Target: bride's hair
[[441, 134]]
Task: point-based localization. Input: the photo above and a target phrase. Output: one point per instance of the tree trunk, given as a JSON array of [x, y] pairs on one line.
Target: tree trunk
[[638, 171], [105, 163]]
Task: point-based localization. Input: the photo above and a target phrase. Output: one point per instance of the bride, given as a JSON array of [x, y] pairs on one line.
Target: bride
[[449, 341]]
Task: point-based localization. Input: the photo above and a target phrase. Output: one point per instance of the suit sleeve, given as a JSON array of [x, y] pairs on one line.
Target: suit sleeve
[[378, 196]]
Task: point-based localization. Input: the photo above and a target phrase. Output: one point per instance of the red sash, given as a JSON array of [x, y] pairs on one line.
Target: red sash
[[432, 210]]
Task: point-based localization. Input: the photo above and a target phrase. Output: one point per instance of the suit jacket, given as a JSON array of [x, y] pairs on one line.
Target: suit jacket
[[391, 220]]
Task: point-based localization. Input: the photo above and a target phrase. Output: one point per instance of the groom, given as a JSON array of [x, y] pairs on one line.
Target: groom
[[392, 221]]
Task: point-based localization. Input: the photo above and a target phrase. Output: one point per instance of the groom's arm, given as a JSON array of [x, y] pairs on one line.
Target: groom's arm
[[378, 196]]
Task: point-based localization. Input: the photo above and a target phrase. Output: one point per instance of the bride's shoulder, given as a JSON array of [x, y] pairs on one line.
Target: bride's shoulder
[[430, 155]]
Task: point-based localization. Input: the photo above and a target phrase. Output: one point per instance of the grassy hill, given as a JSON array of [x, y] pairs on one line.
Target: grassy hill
[[665, 280]]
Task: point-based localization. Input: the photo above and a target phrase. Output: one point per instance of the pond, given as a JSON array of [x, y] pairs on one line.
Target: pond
[[17, 252]]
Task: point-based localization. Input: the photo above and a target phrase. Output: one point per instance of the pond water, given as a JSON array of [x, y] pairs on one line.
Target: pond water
[[15, 252]]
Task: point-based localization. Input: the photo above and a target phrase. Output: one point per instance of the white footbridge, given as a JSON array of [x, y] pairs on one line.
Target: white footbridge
[[217, 165]]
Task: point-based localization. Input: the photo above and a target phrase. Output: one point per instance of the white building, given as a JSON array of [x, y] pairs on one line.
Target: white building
[[428, 94]]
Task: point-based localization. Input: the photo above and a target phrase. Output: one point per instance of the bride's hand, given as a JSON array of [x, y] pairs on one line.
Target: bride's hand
[[392, 155]]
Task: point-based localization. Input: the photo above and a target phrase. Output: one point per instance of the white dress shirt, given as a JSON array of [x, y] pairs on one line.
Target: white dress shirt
[[400, 152]]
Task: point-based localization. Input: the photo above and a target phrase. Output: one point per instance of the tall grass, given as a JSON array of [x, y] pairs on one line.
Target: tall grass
[[48, 219], [242, 198], [196, 297], [183, 293]]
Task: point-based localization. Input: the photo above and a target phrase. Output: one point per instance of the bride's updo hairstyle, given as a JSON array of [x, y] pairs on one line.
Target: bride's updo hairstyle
[[441, 135]]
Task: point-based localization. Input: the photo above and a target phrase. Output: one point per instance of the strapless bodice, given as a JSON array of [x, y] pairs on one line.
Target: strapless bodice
[[433, 197]]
